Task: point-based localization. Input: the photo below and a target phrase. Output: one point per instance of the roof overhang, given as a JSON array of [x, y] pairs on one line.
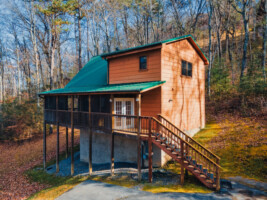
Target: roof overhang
[[144, 49], [125, 88]]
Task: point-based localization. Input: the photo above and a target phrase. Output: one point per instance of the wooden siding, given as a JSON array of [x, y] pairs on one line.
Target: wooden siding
[[126, 69], [183, 98], [151, 102]]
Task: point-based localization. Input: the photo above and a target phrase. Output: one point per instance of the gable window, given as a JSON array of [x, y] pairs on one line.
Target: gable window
[[186, 68], [142, 62]]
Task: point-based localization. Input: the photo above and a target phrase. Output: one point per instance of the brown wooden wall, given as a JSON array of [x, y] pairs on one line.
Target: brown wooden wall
[[183, 98], [151, 103], [125, 69]]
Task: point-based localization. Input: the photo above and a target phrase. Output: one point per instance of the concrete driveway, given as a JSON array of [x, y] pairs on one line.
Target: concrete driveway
[[94, 190]]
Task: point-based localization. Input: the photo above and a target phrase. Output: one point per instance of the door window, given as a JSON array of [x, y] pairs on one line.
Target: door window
[[124, 106]]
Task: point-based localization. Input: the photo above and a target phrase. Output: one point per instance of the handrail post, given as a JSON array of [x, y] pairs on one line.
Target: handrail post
[[150, 153], [182, 162], [217, 176]]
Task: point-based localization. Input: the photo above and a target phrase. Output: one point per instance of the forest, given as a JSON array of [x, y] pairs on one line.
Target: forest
[[44, 43]]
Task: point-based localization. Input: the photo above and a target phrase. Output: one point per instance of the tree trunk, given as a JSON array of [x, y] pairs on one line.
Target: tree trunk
[[80, 40], [264, 43], [244, 59], [210, 58]]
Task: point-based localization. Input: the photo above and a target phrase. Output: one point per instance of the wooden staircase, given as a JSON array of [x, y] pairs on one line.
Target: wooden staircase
[[191, 155]]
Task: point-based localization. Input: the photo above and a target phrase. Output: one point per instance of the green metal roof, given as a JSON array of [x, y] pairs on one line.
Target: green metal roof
[[158, 43], [126, 87]]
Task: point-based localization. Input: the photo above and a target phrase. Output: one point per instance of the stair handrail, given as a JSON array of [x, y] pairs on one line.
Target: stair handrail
[[190, 137], [213, 162]]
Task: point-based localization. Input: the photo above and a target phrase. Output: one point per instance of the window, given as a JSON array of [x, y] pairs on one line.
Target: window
[[142, 62], [186, 68]]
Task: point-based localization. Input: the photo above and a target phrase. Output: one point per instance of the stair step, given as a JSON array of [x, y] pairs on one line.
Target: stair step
[[214, 185], [191, 166], [185, 162], [163, 138], [196, 171], [202, 176], [209, 181]]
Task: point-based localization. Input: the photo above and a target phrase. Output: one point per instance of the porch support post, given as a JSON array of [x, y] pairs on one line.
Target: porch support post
[[90, 137], [112, 135], [72, 137], [138, 105], [67, 142], [150, 153], [44, 145], [182, 162], [57, 157], [57, 154]]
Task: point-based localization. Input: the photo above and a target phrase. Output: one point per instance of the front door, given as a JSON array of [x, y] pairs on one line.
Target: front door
[[124, 106]]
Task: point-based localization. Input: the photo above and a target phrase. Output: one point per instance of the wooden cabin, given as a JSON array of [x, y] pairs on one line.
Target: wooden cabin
[[132, 103]]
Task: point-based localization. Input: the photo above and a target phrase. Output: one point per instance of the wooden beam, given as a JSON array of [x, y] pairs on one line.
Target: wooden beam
[[57, 156], [67, 142], [217, 175], [150, 167], [90, 139], [112, 135], [72, 137], [112, 154], [138, 105], [182, 162], [44, 145]]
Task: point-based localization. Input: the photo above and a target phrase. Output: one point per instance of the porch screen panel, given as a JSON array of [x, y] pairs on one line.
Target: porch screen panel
[[95, 103], [105, 104], [50, 102], [63, 102], [83, 103]]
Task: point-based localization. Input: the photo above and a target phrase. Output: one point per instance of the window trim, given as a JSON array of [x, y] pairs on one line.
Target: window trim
[[186, 76], [139, 58]]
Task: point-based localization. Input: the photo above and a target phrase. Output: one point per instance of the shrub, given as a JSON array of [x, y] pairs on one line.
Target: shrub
[[20, 120]]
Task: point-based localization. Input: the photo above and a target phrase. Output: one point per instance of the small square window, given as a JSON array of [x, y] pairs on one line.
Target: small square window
[[189, 69], [186, 68], [143, 62]]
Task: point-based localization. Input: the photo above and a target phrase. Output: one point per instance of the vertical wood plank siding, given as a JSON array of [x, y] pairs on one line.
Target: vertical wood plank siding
[[183, 98], [125, 69]]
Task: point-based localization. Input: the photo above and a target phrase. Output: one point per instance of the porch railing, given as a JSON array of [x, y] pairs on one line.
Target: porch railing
[[98, 121]]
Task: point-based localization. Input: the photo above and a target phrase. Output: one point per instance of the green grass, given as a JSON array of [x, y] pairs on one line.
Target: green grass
[[57, 185], [241, 144], [206, 134]]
